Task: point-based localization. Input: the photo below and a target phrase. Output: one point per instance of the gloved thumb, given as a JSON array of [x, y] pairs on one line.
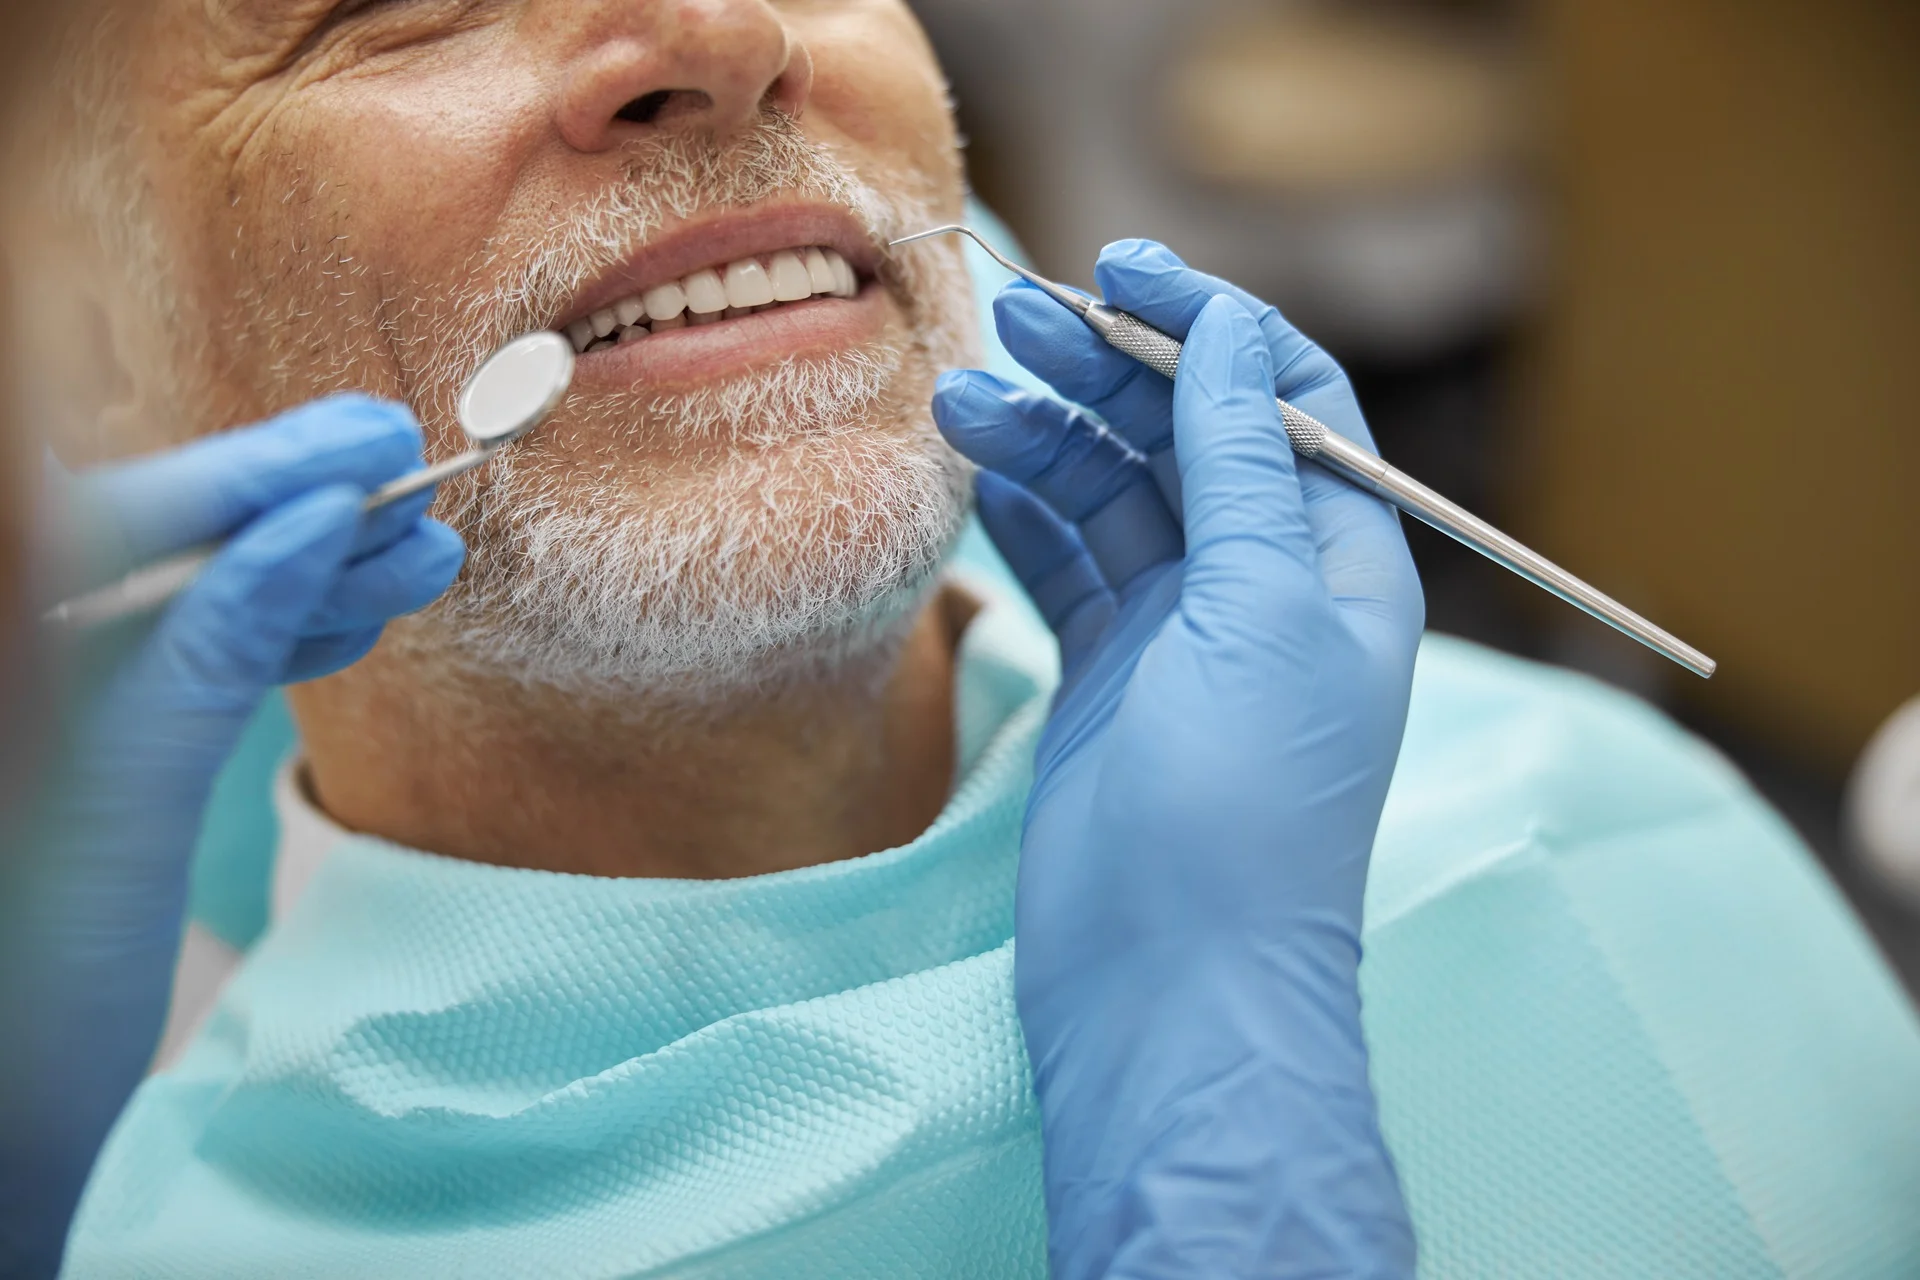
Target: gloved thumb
[[228, 637], [1250, 549]]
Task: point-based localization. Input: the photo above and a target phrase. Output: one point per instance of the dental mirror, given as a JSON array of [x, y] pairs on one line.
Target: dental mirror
[[506, 397], [516, 387]]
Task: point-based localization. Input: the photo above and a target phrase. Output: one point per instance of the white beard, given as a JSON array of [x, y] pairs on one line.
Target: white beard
[[782, 525], [784, 554]]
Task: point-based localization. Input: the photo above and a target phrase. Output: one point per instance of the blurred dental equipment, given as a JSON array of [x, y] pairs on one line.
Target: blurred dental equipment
[[506, 397], [1312, 439], [1881, 819]]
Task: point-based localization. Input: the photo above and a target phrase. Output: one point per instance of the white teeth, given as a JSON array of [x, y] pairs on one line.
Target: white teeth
[[738, 289], [820, 272], [665, 301], [791, 282], [844, 283], [705, 294], [747, 284]]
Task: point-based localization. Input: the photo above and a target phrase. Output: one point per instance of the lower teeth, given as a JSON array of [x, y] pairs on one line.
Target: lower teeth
[[630, 333]]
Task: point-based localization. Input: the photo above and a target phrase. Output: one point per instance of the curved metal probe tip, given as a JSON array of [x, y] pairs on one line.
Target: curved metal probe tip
[[1059, 293]]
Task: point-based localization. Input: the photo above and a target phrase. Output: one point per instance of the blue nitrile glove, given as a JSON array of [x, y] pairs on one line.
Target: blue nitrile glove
[[96, 890], [1196, 845]]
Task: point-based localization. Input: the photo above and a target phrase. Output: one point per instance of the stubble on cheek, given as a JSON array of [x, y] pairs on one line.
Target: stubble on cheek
[[280, 293], [305, 312]]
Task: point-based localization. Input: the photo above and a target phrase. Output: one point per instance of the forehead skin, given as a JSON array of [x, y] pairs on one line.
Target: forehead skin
[[345, 158]]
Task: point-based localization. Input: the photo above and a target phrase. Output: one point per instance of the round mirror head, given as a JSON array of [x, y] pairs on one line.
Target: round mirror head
[[515, 387]]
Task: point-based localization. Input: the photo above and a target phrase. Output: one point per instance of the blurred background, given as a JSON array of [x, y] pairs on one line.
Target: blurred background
[[1637, 280]]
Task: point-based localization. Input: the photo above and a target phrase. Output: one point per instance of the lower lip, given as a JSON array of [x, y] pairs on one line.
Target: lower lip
[[706, 353]]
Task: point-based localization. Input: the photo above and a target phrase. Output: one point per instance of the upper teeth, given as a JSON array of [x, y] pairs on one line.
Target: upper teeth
[[791, 275]]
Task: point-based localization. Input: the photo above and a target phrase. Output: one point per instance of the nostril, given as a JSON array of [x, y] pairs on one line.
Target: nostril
[[646, 108]]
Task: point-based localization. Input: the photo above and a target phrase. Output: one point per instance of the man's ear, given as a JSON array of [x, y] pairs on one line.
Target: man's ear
[[83, 349]]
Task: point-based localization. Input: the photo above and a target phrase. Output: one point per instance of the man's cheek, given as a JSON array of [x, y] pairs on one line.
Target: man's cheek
[[417, 182], [875, 83]]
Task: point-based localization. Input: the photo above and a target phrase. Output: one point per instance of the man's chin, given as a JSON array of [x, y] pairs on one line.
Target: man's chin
[[780, 564]]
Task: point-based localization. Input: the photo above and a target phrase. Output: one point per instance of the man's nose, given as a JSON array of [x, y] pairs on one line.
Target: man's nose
[[638, 67]]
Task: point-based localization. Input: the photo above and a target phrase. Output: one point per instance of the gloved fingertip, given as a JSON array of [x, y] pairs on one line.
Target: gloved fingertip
[[1137, 255], [955, 385], [447, 550], [1226, 349], [952, 385], [320, 656], [1020, 303], [962, 396]]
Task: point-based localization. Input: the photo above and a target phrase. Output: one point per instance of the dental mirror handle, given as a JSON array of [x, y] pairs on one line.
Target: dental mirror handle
[[1314, 440], [149, 587]]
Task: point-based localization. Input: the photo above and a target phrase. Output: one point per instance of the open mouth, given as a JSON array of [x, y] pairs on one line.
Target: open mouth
[[743, 287]]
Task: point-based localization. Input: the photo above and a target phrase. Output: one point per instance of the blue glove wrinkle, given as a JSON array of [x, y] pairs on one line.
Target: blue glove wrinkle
[[1051, 563], [381, 529], [407, 576], [1058, 346], [1034, 440], [1068, 459]]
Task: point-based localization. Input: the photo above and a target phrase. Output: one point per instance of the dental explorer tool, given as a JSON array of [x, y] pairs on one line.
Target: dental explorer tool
[[506, 397], [1314, 440]]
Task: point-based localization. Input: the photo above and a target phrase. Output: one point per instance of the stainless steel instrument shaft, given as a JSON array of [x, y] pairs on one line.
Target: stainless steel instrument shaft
[[1314, 440]]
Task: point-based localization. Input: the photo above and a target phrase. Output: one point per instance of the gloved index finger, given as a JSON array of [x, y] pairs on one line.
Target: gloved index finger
[[210, 487]]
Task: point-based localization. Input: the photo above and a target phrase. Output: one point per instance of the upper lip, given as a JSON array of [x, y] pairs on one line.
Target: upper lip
[[729, 237]]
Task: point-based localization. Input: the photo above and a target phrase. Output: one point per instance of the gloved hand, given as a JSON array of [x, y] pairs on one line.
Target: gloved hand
[[96, 888], [1237, 671]]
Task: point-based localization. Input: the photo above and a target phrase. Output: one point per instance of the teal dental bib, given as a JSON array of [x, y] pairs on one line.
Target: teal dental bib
[[1620, 1026]]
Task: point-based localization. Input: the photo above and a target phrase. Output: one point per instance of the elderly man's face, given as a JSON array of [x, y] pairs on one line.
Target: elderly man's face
[[372, 193]]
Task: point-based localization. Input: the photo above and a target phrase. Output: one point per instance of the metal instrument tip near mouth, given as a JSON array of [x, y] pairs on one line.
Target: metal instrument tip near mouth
[[1314, 440], [1058, 292]]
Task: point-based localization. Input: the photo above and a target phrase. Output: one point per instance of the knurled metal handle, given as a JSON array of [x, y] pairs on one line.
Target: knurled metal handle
[[1144, 343], [1136, 338]]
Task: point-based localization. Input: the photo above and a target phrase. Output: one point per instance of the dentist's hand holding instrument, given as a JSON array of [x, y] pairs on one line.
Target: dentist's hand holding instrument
[[303, 573], [1238, 636]]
